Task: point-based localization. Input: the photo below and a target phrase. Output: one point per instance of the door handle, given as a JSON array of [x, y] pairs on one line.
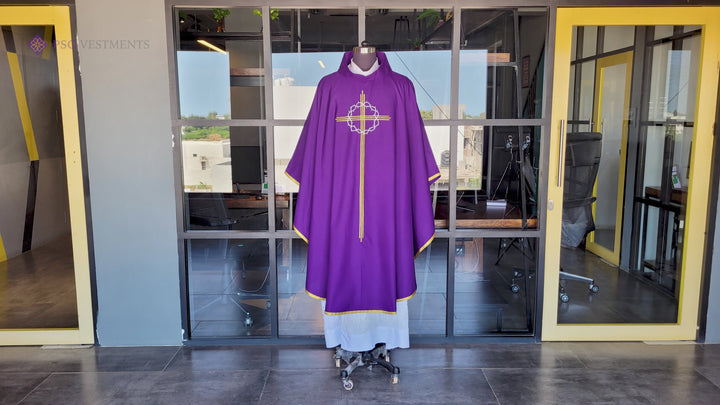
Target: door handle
[[561, 164]]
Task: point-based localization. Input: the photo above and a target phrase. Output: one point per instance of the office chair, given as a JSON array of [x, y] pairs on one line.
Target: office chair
[[582, 160]]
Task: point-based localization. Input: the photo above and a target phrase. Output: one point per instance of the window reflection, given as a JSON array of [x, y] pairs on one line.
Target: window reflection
[[299, 314], [224, 170], [427, 308], [409, 29], [306, 46], [229, 286], [495, 285], [497, 177], [501, 63], [220, 63]]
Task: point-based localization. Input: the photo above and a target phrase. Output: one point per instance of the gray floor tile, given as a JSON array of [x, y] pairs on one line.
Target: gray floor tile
[[168, 387], [303, 358], [489, 356], [420, 386], [584, 386], [15, 386], [35, 359], [638, 355], [302, 387], [222, 358], [711, 373]]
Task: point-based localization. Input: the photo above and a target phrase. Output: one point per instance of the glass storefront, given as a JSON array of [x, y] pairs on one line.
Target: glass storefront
[[479, 78], [233, 172]]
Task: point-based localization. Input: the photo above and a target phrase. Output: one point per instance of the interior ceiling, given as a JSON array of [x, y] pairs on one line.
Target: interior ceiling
[[384, 23]]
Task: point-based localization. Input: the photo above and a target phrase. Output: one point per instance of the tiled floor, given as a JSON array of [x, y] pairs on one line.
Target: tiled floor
[[548, 373]]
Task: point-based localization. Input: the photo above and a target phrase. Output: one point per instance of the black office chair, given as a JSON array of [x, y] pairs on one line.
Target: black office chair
[[582, 160]]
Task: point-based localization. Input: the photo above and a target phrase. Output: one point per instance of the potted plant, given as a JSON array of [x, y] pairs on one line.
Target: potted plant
[[219, 15]]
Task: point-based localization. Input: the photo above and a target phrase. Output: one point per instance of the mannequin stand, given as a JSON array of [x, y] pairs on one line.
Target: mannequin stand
[[379, 356]]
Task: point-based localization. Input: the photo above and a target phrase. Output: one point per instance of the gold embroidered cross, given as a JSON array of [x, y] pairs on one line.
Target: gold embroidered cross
[[375, 117]]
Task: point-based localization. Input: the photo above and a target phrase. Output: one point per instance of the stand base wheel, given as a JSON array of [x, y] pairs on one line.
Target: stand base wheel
[[348, 384], [394, 379], [594, 288], [515, 288], [564, 298]]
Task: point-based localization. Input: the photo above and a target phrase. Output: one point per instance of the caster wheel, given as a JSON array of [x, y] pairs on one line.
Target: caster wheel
[[594, 288], [394, 379], [564, 298], [348, 385], [337, 363], [515, 288]]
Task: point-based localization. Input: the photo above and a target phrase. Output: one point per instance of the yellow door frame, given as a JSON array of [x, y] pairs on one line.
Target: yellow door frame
[[698, 190], [613, 256], [59, 17]]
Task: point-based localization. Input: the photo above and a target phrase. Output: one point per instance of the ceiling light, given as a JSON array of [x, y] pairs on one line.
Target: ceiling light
[[211, 46]]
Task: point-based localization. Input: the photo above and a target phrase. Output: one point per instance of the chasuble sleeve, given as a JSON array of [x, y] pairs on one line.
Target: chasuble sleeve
[[302, 164], [424, 172]]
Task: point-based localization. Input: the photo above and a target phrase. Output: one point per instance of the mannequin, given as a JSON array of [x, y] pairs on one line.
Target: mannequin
[[364, 56]]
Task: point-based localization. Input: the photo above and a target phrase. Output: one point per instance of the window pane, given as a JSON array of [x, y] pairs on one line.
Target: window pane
[[409, 29], [37, 267], [295, 78], [220, 64], [589, 41], [417, 45], [229, 287], [587, 93], [286, 189], [663, 31], [672, 93], [224, 172], [313, 30], [306, 46], [492, 69], [497, 174], [609, 246], [439, 138], [429, 72], [299, 314], [427, 308], [494, 285], [617, 37]]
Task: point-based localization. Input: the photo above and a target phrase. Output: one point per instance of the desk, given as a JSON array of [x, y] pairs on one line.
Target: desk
[[663, 266], [678, 195], [479, 216], [281, 201]]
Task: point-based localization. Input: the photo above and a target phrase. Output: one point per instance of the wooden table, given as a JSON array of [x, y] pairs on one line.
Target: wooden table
[[678, 195], [281, 201], [480, 216]]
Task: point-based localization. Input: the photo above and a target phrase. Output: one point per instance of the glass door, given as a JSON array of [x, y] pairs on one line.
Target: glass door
[[628, 184], [613, 77], [44, 266]]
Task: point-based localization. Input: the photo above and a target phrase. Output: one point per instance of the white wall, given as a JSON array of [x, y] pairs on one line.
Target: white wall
[[128, 133]]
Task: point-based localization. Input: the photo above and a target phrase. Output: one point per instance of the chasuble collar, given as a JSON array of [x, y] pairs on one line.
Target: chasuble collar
[[383, 66]]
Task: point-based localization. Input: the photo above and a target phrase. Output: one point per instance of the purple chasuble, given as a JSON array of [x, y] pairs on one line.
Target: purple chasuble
[[364, 167]]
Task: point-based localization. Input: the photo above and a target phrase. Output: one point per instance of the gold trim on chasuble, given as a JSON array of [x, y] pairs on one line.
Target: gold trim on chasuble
[[375, 117]]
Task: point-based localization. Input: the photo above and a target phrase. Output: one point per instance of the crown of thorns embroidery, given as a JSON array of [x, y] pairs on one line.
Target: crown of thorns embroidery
[[364, 116]]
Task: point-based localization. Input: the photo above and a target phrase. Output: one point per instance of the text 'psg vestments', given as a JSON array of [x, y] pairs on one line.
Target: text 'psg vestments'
[[364, 166]]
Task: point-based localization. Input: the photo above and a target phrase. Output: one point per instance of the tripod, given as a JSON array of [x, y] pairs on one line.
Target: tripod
[[516, 164]]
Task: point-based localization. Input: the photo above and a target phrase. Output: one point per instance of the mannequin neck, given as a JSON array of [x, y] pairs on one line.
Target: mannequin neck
[[364, 60]]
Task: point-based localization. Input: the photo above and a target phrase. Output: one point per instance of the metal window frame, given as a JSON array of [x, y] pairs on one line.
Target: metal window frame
[[451, 233]]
